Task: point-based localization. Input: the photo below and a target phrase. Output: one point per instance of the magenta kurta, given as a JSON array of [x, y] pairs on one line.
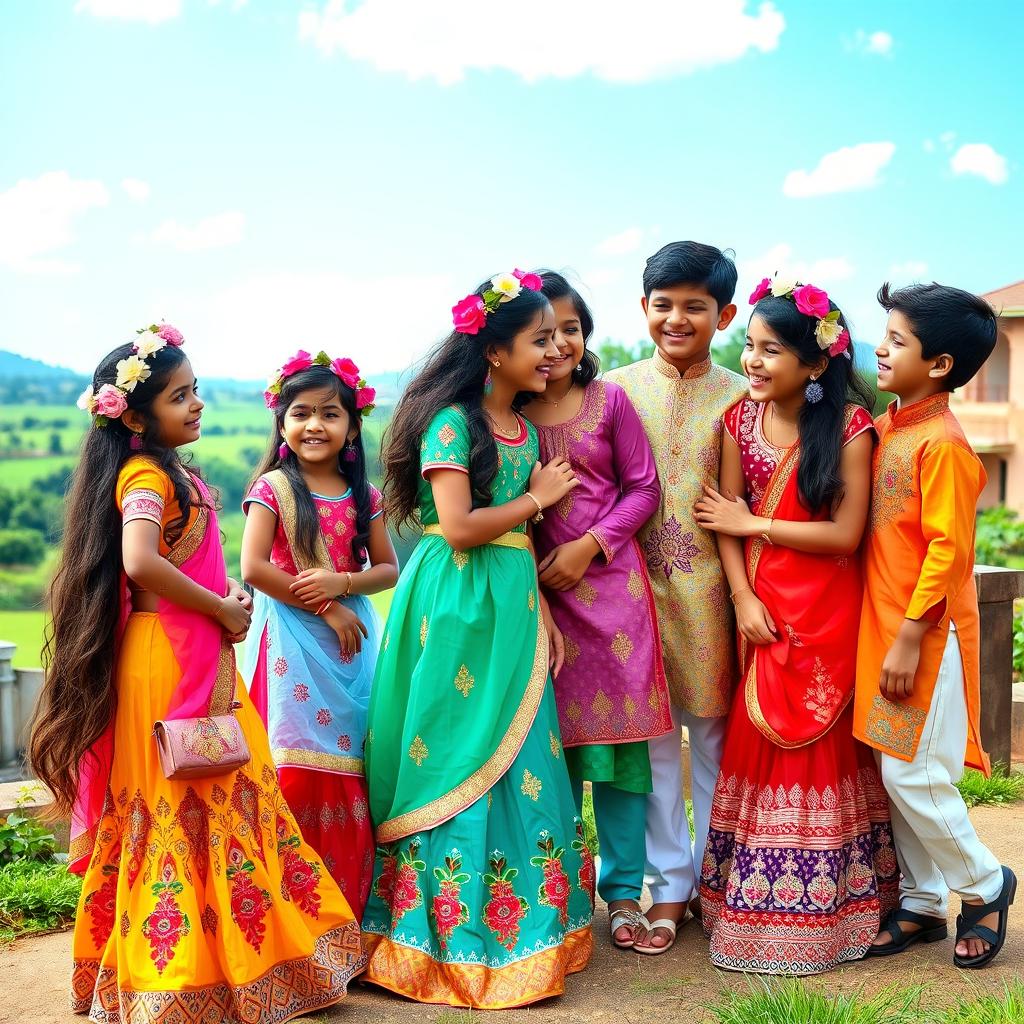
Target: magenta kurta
[[612, 687]]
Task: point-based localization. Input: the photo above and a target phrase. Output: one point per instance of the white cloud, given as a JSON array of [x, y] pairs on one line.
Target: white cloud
[[37, 217], [928, 145], [269, 316], [633, 42], [912, 270], [877, 43], [980, 159], [624, 242], [136, 189], [209, 233], [152, 11], [846, 170], [827, 270]]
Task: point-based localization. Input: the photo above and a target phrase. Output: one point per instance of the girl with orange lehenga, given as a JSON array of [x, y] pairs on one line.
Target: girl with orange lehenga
[[199, 901], [799, 866]]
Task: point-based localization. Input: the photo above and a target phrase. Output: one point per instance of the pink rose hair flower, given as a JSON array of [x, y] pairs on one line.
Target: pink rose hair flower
[[302, 360], [763, 289], [528, 280], [171, 335], [841, 344], [811, 301], [271, 400], [365, 396], [469, 314], [110, 401], [347, 370]]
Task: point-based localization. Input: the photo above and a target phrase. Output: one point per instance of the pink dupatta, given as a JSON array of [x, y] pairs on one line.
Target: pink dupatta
[[201, 648]]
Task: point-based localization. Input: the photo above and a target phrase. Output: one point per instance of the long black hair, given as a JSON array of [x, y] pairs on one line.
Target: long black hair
[[78, 698], [453, 374], [821, 423], [557, 287], [353, 468]]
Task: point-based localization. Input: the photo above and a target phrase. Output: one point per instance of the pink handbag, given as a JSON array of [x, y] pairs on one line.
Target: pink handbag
[[194, 748]]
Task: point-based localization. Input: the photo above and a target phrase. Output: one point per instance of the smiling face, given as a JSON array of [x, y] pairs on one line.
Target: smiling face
[[773, 370], [568, 339], [177, 410], [682, 321], [902, 367], [316, 427], [527, 363]]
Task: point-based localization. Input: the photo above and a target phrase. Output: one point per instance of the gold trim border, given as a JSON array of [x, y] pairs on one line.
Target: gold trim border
[[445, 807], [296, 757], [512, 539]]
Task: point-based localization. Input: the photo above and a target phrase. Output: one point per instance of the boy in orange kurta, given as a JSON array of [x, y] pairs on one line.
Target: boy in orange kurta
[[917, 696]]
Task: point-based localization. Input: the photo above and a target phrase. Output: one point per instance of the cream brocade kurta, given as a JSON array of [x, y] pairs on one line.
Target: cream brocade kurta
[[682, 415]]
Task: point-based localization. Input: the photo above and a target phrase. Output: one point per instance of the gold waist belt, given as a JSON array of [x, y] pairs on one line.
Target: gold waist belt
[[506, 540]]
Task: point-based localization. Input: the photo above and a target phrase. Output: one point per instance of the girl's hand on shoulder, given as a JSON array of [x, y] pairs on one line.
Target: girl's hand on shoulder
[[233, 617], [753, 620], [551, 483], [564, 566], [349, 628], [314, 586], [556, 644], [724, 515]]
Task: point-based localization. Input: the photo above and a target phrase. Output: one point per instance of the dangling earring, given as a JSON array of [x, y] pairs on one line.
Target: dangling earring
[[282, 451], [135, 443], [348, 453], [814, 392], [497, 363]]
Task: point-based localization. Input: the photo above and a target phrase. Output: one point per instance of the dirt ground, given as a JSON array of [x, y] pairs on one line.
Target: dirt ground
[[616, 985]]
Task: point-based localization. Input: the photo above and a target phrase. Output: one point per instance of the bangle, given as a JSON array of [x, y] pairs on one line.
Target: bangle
[[327, 604], [767, 535], [348, 589], [735, 593], [540, 508]]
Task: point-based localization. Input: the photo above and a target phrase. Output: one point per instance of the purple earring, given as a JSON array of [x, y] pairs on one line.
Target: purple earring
[[135, 443], [348, 453], [282, 451]]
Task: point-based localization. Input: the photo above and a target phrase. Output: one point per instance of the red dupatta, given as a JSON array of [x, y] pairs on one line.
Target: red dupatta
[[797, 687], [203, 652]]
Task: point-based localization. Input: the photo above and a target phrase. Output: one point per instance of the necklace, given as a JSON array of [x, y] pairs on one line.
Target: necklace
[[771, 430], [554, 405], [499, 429]]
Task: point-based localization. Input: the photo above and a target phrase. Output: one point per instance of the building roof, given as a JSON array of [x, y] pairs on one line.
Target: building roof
[[1007, 301]]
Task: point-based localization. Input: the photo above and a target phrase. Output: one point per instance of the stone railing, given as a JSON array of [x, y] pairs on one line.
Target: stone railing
[[19, 690]]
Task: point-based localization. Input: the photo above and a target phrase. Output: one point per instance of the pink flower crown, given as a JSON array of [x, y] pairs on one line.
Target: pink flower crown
[[111, 400], [343, 368], [470, 314], [831, 336]]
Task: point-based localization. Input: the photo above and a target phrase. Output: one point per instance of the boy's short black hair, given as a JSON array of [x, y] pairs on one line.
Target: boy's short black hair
[[692, 263], [947, 321]]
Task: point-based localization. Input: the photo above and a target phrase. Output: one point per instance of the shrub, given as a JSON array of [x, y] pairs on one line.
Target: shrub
[[23, 838], [22, 547], [999, 536]]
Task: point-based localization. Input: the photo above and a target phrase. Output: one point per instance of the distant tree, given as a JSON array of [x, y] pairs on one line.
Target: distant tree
[[7, 501], [56, 447], [39, 511], [29, 422], [616, 353], [22, 547], [727, 353]]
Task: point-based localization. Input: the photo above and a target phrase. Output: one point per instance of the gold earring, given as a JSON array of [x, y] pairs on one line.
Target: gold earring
[[496, 363]]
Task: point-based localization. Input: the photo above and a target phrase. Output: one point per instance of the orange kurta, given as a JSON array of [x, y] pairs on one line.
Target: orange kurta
[[919, 564]]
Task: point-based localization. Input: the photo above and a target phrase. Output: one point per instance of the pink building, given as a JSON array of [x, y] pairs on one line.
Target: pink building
[[991, 407]]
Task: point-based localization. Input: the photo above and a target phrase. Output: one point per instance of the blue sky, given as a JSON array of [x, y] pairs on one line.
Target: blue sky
[[268, 175]]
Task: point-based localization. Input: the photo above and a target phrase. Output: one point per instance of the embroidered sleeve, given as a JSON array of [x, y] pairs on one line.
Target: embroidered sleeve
[[376, 502], [445, 444], [731, 420], [142, 503], [858, 421], [263, 494]]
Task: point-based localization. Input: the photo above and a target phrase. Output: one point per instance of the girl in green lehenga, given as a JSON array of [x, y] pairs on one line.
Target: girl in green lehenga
[[483, 885]]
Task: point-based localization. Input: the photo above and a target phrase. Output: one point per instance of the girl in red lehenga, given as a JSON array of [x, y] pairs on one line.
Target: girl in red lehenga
[[799, 867]]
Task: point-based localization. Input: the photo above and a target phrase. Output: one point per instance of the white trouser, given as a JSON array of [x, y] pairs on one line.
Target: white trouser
[[673, 862], [936, 845]]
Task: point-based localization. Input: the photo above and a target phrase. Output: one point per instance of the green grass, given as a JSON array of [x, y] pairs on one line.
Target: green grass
[[1007, 1008], [26, 630], [1002, 788], [791, 1002], [36, 897]]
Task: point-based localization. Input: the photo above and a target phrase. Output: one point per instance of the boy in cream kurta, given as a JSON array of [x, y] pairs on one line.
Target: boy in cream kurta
[[917, 696], [681, 397]]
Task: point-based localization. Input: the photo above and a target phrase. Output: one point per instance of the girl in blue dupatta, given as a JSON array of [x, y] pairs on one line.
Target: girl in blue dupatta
[[314, 521]]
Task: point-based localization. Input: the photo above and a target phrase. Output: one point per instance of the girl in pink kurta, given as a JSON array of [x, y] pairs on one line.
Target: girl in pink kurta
[[611, 690]]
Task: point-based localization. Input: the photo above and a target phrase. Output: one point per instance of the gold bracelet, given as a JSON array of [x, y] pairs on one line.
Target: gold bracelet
[[348, 589], [767, 535], [540, 508], [735, 593]]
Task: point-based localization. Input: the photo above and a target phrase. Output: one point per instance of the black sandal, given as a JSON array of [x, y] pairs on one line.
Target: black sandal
[[967, 926], [932, 929]]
